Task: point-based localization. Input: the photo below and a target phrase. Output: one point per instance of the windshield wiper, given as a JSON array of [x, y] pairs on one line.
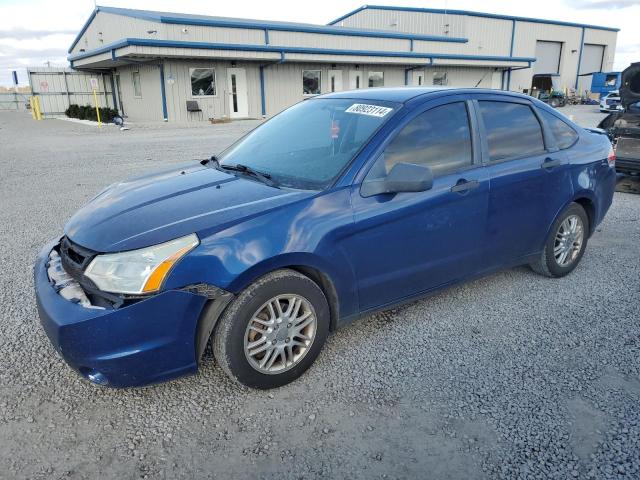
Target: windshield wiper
[[263, 177]]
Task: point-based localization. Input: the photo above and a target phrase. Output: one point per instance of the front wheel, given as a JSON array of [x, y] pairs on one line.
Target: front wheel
[[273, 331], [566, 243]]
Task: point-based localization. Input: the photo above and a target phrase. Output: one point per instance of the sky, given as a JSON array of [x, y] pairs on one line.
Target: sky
[[34, 32]]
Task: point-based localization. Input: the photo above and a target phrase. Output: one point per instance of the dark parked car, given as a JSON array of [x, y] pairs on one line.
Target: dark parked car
[[339, 206]]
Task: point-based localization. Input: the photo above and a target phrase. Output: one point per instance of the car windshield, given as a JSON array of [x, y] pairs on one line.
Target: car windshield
[[308, 145]]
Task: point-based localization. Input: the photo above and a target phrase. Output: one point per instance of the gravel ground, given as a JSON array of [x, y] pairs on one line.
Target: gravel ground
[[510, 376]]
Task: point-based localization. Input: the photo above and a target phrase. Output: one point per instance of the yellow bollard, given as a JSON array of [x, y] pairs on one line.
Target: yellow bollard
[[36, 102], [33, 107], [95, 99]]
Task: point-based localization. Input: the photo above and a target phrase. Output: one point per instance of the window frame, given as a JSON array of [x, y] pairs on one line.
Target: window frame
[[476, 146], [369, 77], [133, 83], [215, 82], [547, 140], [311, 95], [553, 113]]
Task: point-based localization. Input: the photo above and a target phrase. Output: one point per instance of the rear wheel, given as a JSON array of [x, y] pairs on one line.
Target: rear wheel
[[566, 243], [273, 331], [554, 102]]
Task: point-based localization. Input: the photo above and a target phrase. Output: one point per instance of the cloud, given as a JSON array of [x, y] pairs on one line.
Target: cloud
[[602, 4], [23, 33]]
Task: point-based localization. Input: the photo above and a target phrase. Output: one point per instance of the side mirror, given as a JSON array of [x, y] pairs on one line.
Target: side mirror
[[403, 177]]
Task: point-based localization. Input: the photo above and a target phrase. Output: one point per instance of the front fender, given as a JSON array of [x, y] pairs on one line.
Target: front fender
[[306, 233]]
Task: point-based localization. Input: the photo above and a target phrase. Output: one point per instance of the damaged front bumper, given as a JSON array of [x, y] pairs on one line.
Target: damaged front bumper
[[147, 341]]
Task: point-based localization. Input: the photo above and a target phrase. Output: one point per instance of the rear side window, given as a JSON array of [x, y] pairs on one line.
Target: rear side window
[[512, 130], [439, 138], [564, 134]]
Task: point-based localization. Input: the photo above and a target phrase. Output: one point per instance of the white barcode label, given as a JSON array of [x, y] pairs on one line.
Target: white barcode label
[[364, 109]]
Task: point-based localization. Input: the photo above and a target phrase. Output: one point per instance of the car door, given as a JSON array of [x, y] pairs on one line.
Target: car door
[[528, 176], [411, 242]]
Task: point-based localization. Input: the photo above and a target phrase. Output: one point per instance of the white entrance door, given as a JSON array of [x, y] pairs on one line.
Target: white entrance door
[[355, 79], [418, 78], [335, 80], [237, 93]]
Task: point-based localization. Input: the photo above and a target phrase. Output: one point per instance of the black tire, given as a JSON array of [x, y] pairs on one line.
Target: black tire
[[554, 102], [230, 331], [547, 264]]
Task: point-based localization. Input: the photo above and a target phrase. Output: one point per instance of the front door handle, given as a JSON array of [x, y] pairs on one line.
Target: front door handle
[[463, 186], [550, 163]]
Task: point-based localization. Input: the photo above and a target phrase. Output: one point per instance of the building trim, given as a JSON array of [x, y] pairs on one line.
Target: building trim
[[266, 26], [83, 29], [470, 14], [144, 42]]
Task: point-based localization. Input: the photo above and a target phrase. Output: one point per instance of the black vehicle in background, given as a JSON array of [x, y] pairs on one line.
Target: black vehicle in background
[[623, 127]]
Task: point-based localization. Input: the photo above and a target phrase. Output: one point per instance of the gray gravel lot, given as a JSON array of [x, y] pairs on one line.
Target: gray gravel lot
[[510, 376]]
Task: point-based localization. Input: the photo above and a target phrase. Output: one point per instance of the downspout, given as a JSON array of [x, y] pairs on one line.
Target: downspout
[[513, 35], [163, 93], [417, 67], [263, 103], [579, 58]]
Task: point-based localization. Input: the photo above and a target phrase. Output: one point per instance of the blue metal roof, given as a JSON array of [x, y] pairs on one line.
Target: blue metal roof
[[203, 20], [285, 49], [470, 14]]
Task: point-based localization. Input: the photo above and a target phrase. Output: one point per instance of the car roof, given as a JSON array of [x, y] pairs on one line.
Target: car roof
[[404, 94]]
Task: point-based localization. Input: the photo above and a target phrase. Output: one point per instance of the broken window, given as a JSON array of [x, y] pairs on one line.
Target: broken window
[[311, 82], [203, 82], [376, 79]]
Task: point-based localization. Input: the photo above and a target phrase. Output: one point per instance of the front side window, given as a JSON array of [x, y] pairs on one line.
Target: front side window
[[565, 135], [137, 87], [311, 82], [512, 130], [439, 138], [203, 82], [309, 144], [376, 79]]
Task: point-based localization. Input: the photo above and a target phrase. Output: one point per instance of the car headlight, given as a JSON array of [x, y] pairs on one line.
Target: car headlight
[[138, 271]]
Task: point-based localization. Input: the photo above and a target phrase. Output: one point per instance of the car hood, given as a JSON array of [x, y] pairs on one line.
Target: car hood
[[165, 205], [630, 84]]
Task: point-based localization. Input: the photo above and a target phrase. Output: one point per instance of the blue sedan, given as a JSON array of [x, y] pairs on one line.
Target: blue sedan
[[337, 207]]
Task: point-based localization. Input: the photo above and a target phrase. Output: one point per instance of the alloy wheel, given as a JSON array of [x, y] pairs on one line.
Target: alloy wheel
[[280, 334], [568, 241]]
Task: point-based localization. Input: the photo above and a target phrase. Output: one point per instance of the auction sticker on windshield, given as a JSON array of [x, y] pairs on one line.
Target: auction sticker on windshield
[[364, 109]]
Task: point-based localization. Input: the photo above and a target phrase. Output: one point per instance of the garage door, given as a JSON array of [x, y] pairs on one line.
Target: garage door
[[592, 56], [547, 57]]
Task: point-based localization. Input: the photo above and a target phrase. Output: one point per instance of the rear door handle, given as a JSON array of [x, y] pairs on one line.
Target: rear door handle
[[463, 186], [550, 163]]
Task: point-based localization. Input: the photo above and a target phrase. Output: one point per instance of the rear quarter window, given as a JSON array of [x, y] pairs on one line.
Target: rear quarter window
[[565, 135]]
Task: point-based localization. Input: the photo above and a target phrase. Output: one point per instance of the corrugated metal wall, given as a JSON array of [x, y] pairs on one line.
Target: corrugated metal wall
[[148, 106], [178, 89], [488, 36], [282, 82], [59, 88]]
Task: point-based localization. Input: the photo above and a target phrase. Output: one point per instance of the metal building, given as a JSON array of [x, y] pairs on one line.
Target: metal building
[[180, 67]]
